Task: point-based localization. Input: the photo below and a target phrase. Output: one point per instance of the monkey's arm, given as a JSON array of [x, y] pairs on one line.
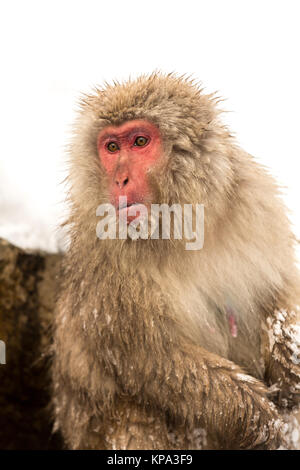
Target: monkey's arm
[[283, 362], [203, 390]]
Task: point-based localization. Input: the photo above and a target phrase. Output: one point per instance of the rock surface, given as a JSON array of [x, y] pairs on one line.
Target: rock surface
[[27, 293]]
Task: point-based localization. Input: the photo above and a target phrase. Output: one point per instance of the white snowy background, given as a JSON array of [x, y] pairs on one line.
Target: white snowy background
[[51, 51]]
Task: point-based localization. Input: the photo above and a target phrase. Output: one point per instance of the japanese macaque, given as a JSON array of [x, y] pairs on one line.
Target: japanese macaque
[[157, 346]]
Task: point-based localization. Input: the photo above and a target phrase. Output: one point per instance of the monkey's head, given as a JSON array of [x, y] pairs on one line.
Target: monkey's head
[[155, 140]]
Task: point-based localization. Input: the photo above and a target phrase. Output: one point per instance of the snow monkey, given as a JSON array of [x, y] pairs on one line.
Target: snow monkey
[[157, 346]]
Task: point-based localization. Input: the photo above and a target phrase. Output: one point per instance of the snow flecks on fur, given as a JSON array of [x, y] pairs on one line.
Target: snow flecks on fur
[[95, 313], [289, 334], [291, 432], [275, 327], [246, 378], [284, 344], [196, 437]]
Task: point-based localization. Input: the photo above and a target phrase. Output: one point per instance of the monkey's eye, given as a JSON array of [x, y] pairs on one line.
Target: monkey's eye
[[112, 147], [140, 141]]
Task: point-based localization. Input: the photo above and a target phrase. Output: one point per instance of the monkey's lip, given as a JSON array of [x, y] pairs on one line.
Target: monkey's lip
[[140, 210], [130, 204]]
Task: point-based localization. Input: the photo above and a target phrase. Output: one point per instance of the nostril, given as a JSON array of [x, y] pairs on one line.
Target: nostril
[[121, 183]]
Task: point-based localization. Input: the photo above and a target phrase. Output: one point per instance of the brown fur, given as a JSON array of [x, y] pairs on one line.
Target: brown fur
[[143, 355]]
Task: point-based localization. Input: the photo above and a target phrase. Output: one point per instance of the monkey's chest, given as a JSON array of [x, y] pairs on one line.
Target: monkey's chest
[[224, 330]]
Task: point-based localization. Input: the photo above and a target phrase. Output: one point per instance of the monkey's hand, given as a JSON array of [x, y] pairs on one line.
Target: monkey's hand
[[283, 369], [235, 408], [201, 389]]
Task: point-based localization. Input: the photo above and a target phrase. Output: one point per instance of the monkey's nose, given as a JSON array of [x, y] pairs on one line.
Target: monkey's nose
[[122, 181]]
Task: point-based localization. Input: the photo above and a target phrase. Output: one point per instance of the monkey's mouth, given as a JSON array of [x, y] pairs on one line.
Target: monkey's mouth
[[132, 210], [126, 205]]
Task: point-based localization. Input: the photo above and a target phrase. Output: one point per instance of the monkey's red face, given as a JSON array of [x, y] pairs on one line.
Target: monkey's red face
[[127, 153]]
